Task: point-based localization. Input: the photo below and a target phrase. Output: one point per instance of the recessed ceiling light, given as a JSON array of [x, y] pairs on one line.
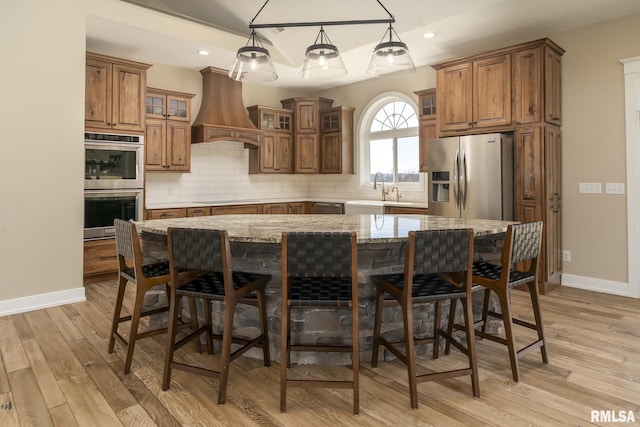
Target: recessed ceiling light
[[203, 52], [429, 35]]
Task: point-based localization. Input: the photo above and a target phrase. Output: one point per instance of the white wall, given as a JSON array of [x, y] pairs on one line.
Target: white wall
[[42, 120]]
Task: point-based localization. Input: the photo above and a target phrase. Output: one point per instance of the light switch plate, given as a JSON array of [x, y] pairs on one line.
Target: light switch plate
[[590, 187], [614, 188]]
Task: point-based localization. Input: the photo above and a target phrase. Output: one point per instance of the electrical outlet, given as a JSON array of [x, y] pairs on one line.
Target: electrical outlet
[[590, 187], [614, 188], [566, 256]]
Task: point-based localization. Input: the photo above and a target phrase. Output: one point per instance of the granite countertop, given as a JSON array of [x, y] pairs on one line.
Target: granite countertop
[[199, 204], [370, 228]]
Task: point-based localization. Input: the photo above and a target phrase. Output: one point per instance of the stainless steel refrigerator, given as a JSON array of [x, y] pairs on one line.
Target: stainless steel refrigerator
[[471, 176]]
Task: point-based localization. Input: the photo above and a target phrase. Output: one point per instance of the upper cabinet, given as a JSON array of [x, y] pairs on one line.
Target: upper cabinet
[[474, 94], [536, 81], [336, 140], [168, 131], [427, 111], [307, 131], [276, 153], [114, 94], [495, 91]]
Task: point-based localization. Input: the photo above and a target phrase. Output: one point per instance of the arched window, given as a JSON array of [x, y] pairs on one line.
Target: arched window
[[390, 144]]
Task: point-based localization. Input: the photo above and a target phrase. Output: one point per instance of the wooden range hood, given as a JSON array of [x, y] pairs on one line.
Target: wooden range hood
[[222, 116]]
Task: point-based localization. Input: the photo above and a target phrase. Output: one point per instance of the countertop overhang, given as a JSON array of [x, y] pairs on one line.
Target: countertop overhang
[[369, 228]]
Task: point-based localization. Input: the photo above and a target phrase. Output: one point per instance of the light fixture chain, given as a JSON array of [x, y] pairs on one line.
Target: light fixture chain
[[385, 9]]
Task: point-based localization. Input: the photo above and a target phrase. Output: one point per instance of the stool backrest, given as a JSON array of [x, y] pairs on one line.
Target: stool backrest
[[441, 251], [198, 249], [124, 240], [527, 238], [318, 254]]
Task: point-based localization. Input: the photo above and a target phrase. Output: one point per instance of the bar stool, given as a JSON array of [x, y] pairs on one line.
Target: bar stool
[[208, 252], [319, 270], [522, 244], [437, 268], [132, 270]]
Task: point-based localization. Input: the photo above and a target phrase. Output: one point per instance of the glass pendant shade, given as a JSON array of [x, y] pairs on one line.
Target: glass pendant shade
[[322, 60], [253, 63], [391, 58]]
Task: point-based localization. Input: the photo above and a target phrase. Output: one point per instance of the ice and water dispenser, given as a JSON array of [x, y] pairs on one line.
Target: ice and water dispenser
[[440, 186]]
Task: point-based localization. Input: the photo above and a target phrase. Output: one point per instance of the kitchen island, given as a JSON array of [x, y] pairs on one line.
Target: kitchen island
[[255, 247]]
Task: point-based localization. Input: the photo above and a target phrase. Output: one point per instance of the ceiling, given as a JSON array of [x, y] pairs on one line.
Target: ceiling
[[463, 27]]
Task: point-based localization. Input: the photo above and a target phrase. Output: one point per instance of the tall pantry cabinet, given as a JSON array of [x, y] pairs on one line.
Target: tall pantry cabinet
[[516, 89]]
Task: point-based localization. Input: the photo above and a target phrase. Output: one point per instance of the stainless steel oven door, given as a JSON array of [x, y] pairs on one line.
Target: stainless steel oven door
[[101, 207], [110, 165]]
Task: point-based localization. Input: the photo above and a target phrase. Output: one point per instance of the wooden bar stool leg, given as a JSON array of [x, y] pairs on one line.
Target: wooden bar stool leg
[[122, 286], [230, 308], [264, 327], [450, 323], [437, 320], [284, 354], [133, 334], [505, 308], [535, 303], [193, 321], [356, 359], [471, 345], [377, 325], [411, 363], [485, 309], [171, 339]]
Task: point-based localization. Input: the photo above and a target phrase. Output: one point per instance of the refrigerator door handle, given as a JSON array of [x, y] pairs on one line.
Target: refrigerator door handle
[[463, 181], [456, 179]]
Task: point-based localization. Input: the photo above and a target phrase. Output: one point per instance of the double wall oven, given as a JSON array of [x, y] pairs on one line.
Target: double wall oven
[[113, 181]]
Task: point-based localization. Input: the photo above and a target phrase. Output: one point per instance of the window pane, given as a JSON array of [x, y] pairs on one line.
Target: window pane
[[408, 164], [394, 115], [381, 159]]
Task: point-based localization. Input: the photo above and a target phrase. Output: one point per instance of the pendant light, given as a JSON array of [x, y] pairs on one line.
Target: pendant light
[[253, 63], [322, 59], [390, 58]]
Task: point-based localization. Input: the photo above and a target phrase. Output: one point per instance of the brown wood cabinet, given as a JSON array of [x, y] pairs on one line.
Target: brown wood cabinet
[[236, 209], [114, 94], [307, 131], [427, 112], [204, 211], [168, 131], [536, 85], [336, 140], [476, 87], [474, 94], [399, 210], [166, 213], [100, 257], [276, 153], [275, 208], [297, 208], [538, 192]]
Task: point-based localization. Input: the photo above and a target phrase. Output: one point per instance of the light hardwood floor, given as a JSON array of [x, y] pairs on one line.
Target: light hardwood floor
[[55, 370]]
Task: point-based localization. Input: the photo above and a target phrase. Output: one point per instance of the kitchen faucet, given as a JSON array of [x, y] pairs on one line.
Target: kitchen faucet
[[398, 193], [382, 189]]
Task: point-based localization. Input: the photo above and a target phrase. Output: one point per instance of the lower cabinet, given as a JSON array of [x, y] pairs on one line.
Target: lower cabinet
[[166, 213], [538, 196], [100, 258], [402, 210], [236, 209], [275, 208], [206, 211]]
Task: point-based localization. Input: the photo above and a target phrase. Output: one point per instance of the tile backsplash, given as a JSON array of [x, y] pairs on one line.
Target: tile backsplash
[[219, 173]]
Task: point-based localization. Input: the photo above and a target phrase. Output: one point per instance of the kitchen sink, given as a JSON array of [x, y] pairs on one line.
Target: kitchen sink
[[370, 207]]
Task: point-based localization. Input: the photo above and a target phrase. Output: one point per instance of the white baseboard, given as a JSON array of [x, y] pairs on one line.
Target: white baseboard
[[36, 302], [596, 285]]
